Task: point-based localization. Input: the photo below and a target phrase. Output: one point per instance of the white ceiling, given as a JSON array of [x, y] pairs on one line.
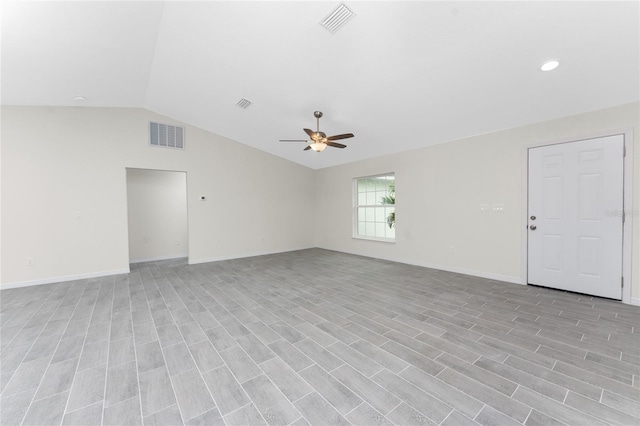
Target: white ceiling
[[400, 75]]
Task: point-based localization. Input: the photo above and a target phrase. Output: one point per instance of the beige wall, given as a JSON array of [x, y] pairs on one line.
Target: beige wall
[[157, 214], [64, 201], [64, 194], [439, 190]]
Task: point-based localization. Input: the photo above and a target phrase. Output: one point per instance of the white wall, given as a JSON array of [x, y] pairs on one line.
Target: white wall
[[439, 190], [64, 201], [157, 214]]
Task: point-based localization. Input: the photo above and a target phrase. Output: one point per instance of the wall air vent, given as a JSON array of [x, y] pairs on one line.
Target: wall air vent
[[166, 135], [244, 103], [337, 18]]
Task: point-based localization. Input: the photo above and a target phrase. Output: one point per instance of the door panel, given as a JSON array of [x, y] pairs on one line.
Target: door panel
[[552, 253], [573, 244], [590, 256], [552, 197]]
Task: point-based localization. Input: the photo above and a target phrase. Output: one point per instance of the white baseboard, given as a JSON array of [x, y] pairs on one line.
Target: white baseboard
[[53, 280], [480, 274], [242, 256], [155, 259], [498, 277], [464, 271], [488, 275]]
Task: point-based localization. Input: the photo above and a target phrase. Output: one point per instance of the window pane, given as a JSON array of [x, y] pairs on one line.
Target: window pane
[[362, 199], [380, 231], [390, 232], [362, 185], [371, 198], [361, 214], [371, 214], [361, 228], [380, 215], [380, 197], [370, 229]]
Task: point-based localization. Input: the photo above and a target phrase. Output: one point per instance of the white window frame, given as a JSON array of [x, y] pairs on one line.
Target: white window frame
[[354, 210]]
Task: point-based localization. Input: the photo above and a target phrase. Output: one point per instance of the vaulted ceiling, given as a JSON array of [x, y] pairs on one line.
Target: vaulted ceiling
[[400, 75]]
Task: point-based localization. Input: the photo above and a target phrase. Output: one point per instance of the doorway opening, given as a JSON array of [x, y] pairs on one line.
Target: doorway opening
[[157, 215]]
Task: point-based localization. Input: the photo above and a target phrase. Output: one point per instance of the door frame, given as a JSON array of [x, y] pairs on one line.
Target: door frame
[[126, 195], [627, 232]]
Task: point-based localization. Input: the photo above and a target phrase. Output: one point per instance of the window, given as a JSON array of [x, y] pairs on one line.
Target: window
[[374, 207]]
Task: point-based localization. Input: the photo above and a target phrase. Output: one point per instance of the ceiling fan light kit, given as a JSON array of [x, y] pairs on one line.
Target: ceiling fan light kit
[[318, 140], [317, 146]]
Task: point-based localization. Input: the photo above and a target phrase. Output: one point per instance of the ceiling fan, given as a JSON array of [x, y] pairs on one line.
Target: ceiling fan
[[319, 140]]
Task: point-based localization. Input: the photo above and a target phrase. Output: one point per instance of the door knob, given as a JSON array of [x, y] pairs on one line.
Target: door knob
[[533, 227], [533, 218]]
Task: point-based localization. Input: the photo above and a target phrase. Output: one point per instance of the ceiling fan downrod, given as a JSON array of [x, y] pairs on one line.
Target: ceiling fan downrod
[[317, 115]]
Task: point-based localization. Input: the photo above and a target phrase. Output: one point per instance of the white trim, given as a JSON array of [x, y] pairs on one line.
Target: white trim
[[242, 256], [454, 269], [634, 301], [377, 239], [524, 213], [126, 192], [54, 280], [154, 259], [465, 271], [627, 236]]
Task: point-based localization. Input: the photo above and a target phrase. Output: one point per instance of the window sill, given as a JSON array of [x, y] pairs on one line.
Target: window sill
[[374, 239]]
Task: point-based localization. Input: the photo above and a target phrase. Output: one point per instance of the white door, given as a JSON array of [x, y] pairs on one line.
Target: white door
[[575, 216]]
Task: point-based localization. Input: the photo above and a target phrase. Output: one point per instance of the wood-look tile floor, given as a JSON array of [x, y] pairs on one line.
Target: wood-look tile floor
[[314, 337]]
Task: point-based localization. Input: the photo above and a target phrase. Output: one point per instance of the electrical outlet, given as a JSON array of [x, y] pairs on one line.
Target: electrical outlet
[[29, 261]]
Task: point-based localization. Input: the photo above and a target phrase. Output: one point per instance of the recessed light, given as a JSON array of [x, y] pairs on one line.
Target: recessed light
[[79, 98], [550, 65]]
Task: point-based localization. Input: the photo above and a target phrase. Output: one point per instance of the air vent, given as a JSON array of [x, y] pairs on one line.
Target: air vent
[[166, 135], [244, 103], [337, 18]]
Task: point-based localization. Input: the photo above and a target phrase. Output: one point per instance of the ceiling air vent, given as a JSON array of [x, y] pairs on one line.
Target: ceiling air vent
[[244, 103], [337, 18], [166, 135]]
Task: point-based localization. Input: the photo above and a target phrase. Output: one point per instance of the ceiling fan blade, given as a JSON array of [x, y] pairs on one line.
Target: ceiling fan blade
[[310, 132], [343, 136], [336, 145], [293, 140], [307, 148]]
